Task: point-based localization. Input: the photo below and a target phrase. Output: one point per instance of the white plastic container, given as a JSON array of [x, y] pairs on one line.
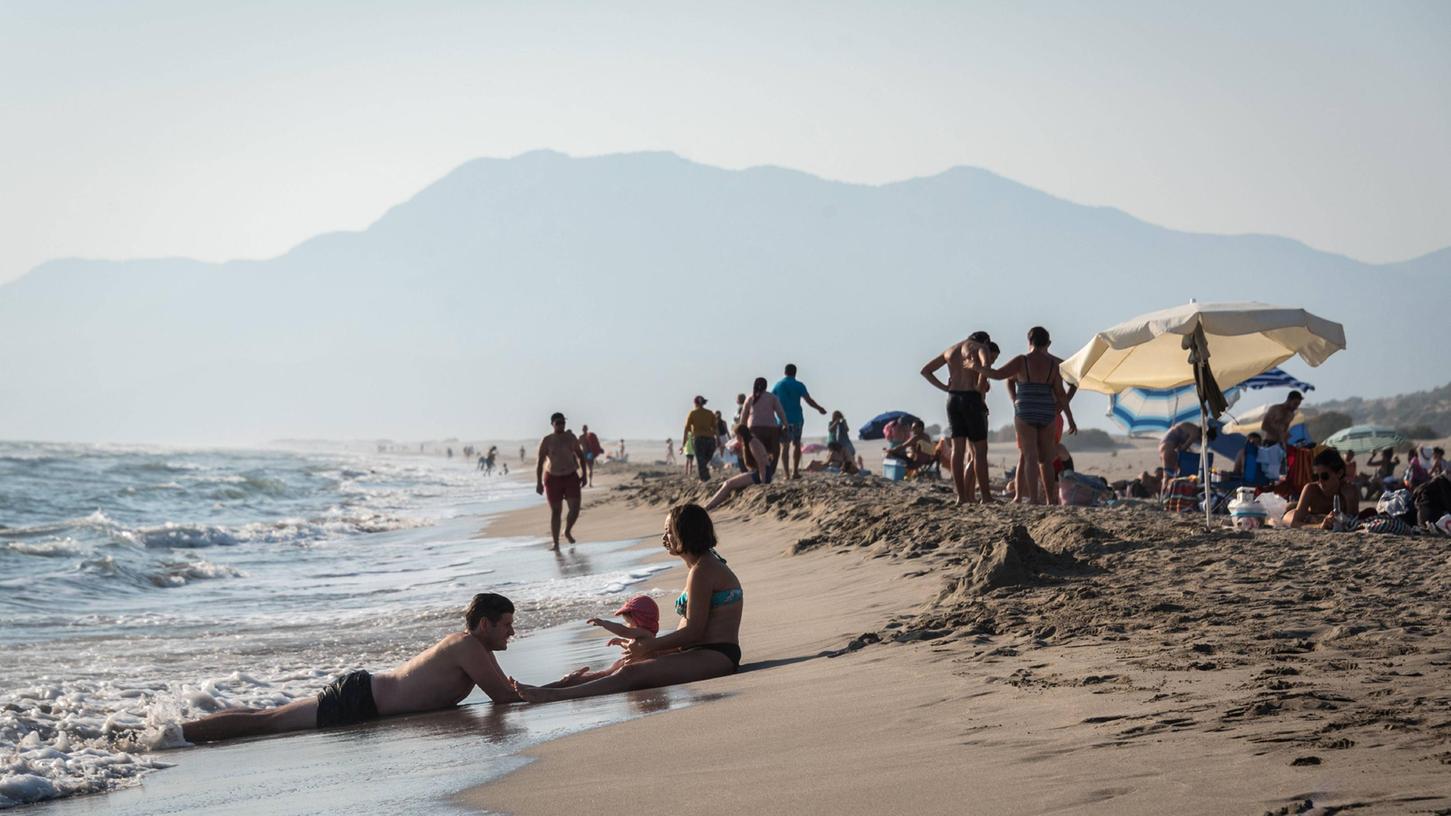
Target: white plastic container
[[1246, 511]]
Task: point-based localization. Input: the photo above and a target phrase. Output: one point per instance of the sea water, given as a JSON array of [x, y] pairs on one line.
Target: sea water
[[143, 586]]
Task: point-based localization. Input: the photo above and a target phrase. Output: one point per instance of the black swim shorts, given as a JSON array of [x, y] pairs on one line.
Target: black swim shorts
[[347, 700], [967, 415]]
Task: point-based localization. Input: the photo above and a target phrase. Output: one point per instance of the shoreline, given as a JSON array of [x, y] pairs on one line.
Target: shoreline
[[310, 771], [1028, 661]]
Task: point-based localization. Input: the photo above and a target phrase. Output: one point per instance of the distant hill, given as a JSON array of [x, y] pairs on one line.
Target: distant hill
[[615, 288], [1421, 409]]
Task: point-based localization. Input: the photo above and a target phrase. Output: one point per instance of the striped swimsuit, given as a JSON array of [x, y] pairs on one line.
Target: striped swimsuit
[[1036, 403]]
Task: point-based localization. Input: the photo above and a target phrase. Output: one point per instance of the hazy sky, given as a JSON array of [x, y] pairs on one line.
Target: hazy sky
[[215, 130]]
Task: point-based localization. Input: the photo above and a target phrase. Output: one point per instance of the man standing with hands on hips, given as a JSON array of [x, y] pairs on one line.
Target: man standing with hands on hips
[[562, 483]]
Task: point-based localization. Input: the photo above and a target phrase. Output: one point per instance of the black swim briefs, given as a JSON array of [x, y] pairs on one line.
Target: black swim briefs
[[730, 650], [347, 700], [967, 415]]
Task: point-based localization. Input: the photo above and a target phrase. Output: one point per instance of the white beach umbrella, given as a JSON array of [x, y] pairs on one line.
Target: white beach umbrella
[[1201, 343], [1244, 339]]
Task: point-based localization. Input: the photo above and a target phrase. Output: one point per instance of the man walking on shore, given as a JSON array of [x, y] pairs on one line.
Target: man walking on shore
[[701, 424], [791, 391], [966, 411], [562, 484], [590, 444], [438, 677]]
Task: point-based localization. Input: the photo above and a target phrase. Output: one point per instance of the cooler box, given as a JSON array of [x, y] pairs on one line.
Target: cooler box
[[894, 469]]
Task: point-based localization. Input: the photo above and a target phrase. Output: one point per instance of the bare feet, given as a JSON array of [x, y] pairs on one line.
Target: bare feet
[[555, 548], [569, 536]]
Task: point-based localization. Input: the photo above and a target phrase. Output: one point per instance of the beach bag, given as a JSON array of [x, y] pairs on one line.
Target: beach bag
[[1394, 503], [1081, 490], [1432, 500], [1182, 495]]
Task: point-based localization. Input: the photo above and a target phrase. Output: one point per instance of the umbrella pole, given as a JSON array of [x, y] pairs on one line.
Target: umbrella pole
[[1204, 463]]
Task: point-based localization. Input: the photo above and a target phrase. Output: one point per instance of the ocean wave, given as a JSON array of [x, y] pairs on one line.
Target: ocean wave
[[84, 736], [53, 548], [163, 575]]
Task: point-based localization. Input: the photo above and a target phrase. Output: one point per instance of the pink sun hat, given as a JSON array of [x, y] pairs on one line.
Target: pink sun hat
[[644, 610]]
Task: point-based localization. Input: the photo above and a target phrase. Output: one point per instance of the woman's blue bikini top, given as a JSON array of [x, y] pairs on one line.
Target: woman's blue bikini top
[[724, 597]]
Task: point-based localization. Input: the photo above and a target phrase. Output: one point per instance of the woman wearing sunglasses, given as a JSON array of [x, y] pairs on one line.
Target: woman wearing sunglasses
[[1317, 500]]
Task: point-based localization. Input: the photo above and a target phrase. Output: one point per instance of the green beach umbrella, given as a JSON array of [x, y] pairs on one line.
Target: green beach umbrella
[[1366, 439]]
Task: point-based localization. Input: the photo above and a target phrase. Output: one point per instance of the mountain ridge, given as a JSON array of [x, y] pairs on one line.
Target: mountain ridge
[[505, 268], [1438, 255]]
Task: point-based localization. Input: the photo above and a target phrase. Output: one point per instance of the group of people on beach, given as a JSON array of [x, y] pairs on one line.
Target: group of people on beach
[[705, 644], [1040, 412]]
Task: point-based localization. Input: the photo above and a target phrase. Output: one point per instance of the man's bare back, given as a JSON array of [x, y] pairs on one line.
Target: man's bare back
[[1276, 424], [963, 361], [438, 677]]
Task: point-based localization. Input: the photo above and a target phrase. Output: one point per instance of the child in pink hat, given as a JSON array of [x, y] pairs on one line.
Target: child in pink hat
[[641, 616]]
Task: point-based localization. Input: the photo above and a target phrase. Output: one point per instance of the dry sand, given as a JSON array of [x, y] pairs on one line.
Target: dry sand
[[1022, 660]]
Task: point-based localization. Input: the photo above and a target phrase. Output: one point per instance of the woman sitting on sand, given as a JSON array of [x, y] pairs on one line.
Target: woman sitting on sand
[[753, 453], [706, 644], [1317, 500]]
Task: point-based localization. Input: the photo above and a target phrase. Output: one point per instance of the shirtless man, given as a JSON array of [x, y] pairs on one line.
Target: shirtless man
[[438, 677], [566, 463], [1276, 424], [966, 411]]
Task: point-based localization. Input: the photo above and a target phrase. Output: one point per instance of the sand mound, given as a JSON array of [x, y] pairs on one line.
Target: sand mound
[[1344, 637]]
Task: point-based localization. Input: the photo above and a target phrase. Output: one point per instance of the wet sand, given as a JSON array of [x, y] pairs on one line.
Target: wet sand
[[903, 654]]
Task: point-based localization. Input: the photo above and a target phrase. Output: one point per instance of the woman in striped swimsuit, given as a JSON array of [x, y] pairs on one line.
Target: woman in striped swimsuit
[[1039, 398]]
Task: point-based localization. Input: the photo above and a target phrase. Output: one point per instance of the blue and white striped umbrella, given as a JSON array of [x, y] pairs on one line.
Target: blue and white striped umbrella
[[1275, 378], [1156, 410]]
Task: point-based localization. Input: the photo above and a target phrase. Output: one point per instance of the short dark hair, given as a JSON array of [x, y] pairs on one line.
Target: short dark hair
[[1295, 395], [1438, 451], [487, 605], [790, 369], [556, 417], [1038, 337], [979, 337], [993, 347], [691, 530], [1330, 458]]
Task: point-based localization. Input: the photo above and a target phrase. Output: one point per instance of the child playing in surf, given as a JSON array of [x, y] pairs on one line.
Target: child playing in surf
[[641, 616]]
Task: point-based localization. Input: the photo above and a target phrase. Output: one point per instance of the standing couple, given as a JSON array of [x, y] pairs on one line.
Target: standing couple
[[705, 644], [1039, 397]]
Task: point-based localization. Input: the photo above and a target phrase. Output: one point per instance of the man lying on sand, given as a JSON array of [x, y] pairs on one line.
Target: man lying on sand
[[438, 677]]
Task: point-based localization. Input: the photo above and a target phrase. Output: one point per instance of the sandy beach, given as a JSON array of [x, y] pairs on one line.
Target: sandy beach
[[903, 655]]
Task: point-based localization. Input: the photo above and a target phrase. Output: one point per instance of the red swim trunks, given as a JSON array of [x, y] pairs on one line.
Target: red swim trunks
[[557, 488]]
